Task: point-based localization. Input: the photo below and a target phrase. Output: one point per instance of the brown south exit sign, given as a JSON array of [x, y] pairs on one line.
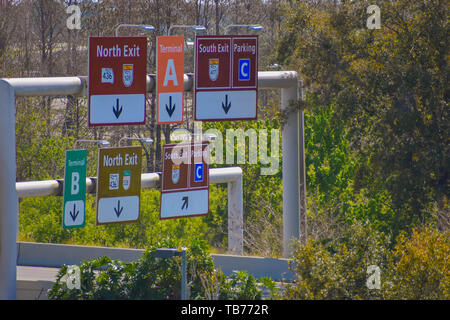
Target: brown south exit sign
[[185, 180]]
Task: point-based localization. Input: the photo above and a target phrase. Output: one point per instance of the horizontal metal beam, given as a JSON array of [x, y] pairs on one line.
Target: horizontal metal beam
[[78, 86], [57, 86], [148, 180], [231, 176], [55, 255]]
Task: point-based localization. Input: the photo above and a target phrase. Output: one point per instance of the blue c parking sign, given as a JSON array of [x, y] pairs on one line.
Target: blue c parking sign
[[244, 70], [198, 172]]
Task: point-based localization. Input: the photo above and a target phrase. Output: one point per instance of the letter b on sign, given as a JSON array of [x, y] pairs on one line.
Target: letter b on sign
[[75, 187]]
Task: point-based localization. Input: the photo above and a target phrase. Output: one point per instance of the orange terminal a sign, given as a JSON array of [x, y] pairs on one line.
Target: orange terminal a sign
[[170, 79]]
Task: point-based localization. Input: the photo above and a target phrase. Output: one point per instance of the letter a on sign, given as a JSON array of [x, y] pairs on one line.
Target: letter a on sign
[[170, 79], [171, 74]]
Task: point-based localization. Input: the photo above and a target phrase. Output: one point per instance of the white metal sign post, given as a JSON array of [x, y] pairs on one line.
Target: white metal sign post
[[9, 209]]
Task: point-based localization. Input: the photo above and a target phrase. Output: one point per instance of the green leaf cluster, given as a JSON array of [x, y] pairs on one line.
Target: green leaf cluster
[[155, 278], [40, 220], [417, 268], [389, 93]]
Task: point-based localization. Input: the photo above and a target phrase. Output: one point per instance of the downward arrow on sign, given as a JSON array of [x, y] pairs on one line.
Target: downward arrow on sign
[[226, 107], [117, 109], [74, 213], [119, 209], [170, 109]]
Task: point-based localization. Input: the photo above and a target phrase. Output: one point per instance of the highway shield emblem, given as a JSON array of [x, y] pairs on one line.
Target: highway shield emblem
[[126, 180], [213, 69], [127, 75], [175, 174]]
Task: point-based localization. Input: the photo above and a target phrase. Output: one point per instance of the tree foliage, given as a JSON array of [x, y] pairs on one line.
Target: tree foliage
[[389, 88], [156, 278], [417, 268]]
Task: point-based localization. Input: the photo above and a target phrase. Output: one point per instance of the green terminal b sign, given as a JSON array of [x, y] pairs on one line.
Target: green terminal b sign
[[74, 189]]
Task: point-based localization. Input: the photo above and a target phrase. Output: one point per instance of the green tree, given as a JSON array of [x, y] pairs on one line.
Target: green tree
[[330, 171], [263, 195], [419, 266], [416, 268], [390, 89], [338, 269]]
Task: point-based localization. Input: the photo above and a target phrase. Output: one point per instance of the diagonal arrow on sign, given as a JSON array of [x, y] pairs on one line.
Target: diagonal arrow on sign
[[170, 109], [185, 203]]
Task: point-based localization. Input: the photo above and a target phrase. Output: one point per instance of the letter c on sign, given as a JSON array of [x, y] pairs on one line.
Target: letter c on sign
[[244, 69], [198, 172]]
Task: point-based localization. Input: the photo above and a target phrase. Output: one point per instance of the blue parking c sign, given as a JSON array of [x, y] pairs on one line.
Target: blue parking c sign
[[244, 69], [198, 172]]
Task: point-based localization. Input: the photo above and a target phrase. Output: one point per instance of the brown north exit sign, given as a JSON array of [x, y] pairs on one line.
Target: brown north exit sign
[[118, 185]]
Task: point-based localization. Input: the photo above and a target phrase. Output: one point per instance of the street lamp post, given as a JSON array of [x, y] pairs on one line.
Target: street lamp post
[[141, 140], [250, 27], [100, 143], [196, 29], [186, 135], [147, 28]]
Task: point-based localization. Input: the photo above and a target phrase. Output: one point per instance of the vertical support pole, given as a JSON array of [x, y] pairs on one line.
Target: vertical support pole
[[183, 276], [236, 216], [290, 146], [302, 169], [8, 195]]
